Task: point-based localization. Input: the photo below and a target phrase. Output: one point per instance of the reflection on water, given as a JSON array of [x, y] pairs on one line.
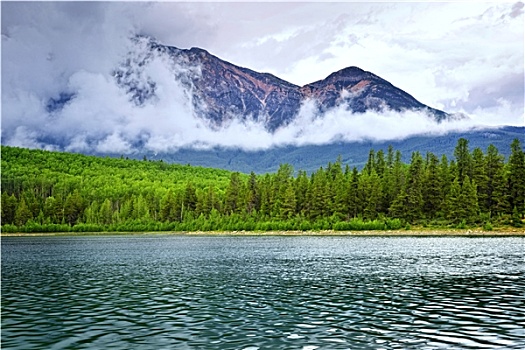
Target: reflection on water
[[160, 291]]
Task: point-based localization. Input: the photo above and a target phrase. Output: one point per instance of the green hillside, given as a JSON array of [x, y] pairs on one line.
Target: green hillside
[[46, 191]]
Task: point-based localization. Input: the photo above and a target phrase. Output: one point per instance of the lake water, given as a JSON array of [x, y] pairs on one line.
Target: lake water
[[217, 292]]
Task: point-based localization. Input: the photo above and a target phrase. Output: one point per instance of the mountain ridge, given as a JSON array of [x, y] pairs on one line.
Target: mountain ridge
[[311, 157], [224, 91]]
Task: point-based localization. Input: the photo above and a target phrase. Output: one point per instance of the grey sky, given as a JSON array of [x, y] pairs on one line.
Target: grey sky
[[460, 57]]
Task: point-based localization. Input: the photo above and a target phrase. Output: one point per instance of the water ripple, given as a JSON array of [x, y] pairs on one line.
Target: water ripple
[[262, 292]]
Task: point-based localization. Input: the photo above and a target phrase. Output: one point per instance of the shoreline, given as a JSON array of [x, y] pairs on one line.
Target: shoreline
[[508, 232]]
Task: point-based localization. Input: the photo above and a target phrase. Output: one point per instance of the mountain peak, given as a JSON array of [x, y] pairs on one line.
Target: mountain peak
[[224, 91]]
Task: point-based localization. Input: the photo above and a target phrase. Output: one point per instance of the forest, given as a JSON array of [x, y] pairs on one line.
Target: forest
[[45, 191]]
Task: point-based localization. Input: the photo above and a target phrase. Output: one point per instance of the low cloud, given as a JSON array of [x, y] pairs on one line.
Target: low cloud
[[59, 89], [103, 117]]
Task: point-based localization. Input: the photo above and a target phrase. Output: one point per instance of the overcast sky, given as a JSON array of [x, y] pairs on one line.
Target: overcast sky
[[459, 57]]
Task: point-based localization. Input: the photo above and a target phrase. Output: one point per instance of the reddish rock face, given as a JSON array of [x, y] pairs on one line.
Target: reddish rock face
[[223, 91]]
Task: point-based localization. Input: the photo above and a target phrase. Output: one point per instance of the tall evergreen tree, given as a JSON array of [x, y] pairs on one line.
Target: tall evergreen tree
[[432, 188], [516, 177], [414, 188], [9, 203], [469, 200], [479, 177], [463, 160], [454, 204], [22, 214], [253, 201], [233, 194]]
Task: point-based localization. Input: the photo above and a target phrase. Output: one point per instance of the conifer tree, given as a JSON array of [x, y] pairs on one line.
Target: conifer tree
[[301, 190], [455, 211], [168, 209], [233, 194], [469, 201], [432, 187], [516, 177], [74, 207], [287, 208], [463, 160], [106, 212], [22, 214], [354, 203], [8, 208], [479, 177], [190, 197], [496, 201], [253, 201], [414, 189]]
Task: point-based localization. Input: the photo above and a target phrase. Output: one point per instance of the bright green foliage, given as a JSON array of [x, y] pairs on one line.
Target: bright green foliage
[[516, 178], [470, 200], [454, 209], [496, 189], [50, 191], [22, 214], [432, 187], [479, 176], [9, 203], [463, 160]]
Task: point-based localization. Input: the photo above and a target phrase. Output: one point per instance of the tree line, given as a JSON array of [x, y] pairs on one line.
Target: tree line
[[52, 191]]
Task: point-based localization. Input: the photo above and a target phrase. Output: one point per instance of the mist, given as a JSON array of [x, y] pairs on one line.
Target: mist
[[60, 92]]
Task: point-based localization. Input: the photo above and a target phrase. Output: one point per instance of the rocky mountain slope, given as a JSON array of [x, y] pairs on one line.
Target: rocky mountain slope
[[222, 91]]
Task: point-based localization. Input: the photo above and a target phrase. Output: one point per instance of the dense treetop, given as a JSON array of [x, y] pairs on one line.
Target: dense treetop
[[52, 191]]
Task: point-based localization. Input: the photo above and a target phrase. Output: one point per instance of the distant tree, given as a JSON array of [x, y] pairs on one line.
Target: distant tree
[[168, 209], [287, 208], [479, 177], [469, 200], [516, 177], [9, 203], [455, 208], [22, 214], [73, 207], [463, 160], [432, 189], [254, 198], [233, 194]]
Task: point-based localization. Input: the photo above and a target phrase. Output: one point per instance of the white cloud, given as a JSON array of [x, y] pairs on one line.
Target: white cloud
[[456, 56]]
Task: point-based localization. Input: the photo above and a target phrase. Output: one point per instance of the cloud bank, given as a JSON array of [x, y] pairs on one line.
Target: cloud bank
[[59, 90]]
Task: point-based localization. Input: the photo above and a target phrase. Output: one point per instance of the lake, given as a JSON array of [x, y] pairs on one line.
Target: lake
[[262, 292]]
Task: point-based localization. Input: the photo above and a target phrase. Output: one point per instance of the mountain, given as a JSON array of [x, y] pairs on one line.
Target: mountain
[[222, 91], [311, 157]]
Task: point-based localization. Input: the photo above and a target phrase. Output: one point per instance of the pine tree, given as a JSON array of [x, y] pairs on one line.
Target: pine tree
[[469, 200], [106, 212], [8, 208], [233, 195], [463, 160], [73, 207], [168, 209], [455, 210], [370, 164], [496, 200], [22, 214], [414, 189], [253, 201], [446, 175], [301, 190], [479, 177], [380, 164], [190, 197], [354, 203], [369, 194], [516, 177], [432, 187], [287, 209]]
